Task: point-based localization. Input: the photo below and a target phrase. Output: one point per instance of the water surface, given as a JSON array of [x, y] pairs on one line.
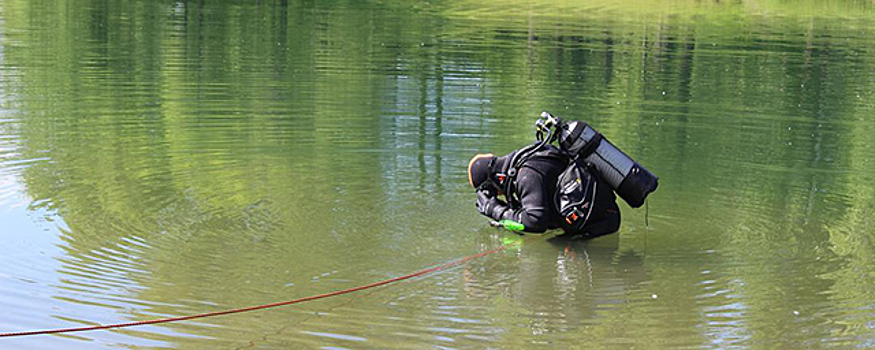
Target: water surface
[[176, 157]]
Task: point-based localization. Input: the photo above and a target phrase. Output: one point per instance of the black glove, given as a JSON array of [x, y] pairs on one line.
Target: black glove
[[488, 204], [485, 202]]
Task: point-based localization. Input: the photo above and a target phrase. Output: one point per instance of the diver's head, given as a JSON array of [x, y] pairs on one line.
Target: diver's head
[[480, 169], [484, 173]]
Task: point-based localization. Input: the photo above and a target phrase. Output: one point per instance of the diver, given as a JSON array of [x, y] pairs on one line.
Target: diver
[[533, 192], [569, 187]]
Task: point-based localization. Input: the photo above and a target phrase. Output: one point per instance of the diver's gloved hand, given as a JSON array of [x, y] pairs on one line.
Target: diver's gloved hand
[[489, 205], [485, 201]]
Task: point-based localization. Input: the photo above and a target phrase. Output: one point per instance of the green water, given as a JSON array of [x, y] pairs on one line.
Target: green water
[[167, 158]]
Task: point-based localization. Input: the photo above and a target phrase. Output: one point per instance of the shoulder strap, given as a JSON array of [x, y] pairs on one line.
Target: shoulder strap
[[511, 168], [517, 162]]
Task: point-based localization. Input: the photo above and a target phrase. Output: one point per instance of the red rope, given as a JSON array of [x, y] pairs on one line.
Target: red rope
[[258, 307]]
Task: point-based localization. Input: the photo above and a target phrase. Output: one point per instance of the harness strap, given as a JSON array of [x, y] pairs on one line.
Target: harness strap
[[516, 161], [513, 167], [571, 140], [591, 146]]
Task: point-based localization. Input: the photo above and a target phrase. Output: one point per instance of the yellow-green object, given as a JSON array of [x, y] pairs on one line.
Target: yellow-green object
[[512, 225], [512, 241]]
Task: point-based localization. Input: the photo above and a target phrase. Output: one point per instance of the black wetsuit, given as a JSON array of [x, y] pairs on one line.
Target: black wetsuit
[[535, 187]]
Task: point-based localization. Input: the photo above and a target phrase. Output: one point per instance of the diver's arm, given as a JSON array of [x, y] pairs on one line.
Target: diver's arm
[[535, 201], [489, 205]]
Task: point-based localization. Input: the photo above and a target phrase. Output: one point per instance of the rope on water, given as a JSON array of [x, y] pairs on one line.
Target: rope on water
[[443, 266]]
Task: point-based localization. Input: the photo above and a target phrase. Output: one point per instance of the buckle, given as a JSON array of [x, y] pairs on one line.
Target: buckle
[[573, 216]]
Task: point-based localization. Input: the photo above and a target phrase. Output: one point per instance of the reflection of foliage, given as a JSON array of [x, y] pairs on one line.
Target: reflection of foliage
[[677, 10], [853, 242], [226, 124], [851, 237]]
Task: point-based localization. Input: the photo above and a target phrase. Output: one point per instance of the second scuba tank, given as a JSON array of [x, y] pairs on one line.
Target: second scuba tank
[[630, 180]]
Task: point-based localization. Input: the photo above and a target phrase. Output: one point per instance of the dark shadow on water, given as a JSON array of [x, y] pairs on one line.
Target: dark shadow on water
[[565, 239]]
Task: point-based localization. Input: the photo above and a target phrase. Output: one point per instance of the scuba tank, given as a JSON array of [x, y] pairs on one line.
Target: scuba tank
[[630, 180]]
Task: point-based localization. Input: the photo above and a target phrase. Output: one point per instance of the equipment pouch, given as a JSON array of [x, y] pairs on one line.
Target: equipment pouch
[[575, 194]]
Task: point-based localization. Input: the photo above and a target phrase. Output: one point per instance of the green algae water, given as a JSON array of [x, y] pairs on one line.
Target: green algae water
[[167, 158]]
